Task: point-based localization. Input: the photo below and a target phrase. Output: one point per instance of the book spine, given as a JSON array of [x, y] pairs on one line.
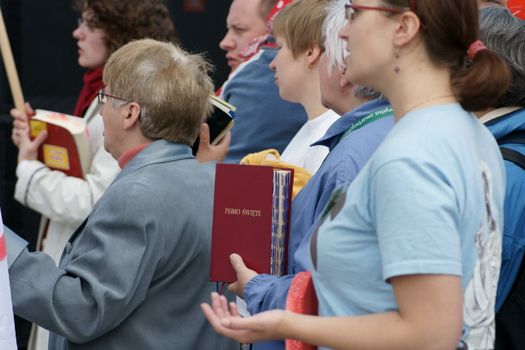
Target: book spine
[[280, 201]]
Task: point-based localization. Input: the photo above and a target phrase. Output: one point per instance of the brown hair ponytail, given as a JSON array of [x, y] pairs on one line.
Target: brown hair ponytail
[[479, 84]]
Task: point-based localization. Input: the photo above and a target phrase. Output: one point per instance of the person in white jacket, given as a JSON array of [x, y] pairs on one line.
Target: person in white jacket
[[65, 201]]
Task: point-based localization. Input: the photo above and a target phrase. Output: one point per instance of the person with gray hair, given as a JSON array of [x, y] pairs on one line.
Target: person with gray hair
[[338, 93], [504, 34], [133, 273], [368, 124]]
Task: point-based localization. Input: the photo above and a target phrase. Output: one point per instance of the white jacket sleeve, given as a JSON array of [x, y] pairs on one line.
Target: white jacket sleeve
[[60, 197]]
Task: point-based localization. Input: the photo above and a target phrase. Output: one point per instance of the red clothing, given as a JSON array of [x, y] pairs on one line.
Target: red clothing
[[92, 85], [124, 159]]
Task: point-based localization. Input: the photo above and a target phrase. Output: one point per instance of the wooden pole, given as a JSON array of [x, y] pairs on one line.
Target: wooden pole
[[9, 63]]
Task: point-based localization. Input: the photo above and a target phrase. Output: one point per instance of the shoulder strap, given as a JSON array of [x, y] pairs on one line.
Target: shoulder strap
[[514, 137], [513, 156]]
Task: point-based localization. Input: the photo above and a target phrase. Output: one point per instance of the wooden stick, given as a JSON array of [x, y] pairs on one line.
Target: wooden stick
[[9, 63]]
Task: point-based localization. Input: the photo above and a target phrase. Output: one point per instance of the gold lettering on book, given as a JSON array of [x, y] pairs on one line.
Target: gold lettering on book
[[232, 211], [254, 213]]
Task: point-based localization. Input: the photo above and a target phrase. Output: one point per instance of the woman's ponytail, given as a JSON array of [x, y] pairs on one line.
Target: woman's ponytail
[[481, 80]]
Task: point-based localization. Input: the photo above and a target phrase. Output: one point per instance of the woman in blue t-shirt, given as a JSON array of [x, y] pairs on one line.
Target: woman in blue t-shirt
[[407, 257]]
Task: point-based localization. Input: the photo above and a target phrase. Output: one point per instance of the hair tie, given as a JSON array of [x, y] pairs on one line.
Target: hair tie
[[474, 48]]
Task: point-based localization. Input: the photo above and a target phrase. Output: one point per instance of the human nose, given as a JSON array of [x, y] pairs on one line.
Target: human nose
[[227, 43], [343, 33], [272, 64], [77, 33]]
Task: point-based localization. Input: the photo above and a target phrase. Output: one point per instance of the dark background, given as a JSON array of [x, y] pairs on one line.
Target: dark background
[[46, 57]]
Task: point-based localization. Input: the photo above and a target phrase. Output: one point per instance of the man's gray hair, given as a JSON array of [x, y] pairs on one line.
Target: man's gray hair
[[504, 34]]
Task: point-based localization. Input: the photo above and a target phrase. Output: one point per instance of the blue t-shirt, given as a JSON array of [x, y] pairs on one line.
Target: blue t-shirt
[[347, 156], [417, 207]]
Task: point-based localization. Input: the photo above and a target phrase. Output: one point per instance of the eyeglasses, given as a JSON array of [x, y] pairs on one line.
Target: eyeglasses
[[102, 97], [351, 10]]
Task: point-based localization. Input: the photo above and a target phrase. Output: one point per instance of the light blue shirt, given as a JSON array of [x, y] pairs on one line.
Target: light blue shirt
[[417, 207], [347, 156]]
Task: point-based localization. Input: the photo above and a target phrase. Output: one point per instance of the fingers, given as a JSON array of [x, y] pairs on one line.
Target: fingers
[[226, 140], [236, 288], [222, 319], [233, 310], [20, 132], [21, 124], [204, 135], [39, 139], [237, 263], [217, 314], [22, 115], [17, 115], [219, 305], [29, 110]]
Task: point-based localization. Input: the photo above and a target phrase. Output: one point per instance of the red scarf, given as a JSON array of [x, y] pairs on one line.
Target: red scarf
[[92, 85]]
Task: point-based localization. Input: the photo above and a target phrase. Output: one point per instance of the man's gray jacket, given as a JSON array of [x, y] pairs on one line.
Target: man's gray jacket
[[135, 272]]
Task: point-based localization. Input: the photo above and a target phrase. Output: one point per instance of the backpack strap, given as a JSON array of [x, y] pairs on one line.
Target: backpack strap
[[513, 156], [514, 137]]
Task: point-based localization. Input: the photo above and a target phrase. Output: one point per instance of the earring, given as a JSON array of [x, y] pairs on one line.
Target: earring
[[397, 69], [308, 67]]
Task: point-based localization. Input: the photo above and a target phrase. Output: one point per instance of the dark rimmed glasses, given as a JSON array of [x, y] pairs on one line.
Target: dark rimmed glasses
[[102, 97], [351, 10]]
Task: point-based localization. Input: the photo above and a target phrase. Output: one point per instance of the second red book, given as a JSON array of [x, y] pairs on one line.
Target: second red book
[[251, 217]]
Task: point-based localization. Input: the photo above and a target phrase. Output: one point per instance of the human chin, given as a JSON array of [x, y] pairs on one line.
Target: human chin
[[233, 61], [285, 94], [86, 62], [90, 61]]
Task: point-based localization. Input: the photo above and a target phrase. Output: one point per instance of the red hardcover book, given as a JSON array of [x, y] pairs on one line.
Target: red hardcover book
[[251, 215], [67, 147]]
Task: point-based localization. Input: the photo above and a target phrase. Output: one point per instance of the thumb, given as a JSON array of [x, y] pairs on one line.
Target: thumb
[[204, 134], [237, 263], [29, 110], [39, 139]]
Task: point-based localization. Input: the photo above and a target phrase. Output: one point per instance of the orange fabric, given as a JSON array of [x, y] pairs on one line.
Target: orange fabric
[[271, 157]]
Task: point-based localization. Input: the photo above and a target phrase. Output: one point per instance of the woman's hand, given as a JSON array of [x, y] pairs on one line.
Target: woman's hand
[[27, 149], [226, 320], [244, 275], [20, 123]]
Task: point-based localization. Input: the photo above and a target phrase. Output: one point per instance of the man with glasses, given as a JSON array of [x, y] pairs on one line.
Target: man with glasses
[[133, 274]]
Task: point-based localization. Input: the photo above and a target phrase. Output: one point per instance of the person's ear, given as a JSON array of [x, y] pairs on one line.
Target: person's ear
[[132, 115], [407, 28], [313, 55]]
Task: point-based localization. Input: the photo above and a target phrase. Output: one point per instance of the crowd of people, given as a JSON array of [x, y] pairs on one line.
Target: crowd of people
[[408, 119]]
